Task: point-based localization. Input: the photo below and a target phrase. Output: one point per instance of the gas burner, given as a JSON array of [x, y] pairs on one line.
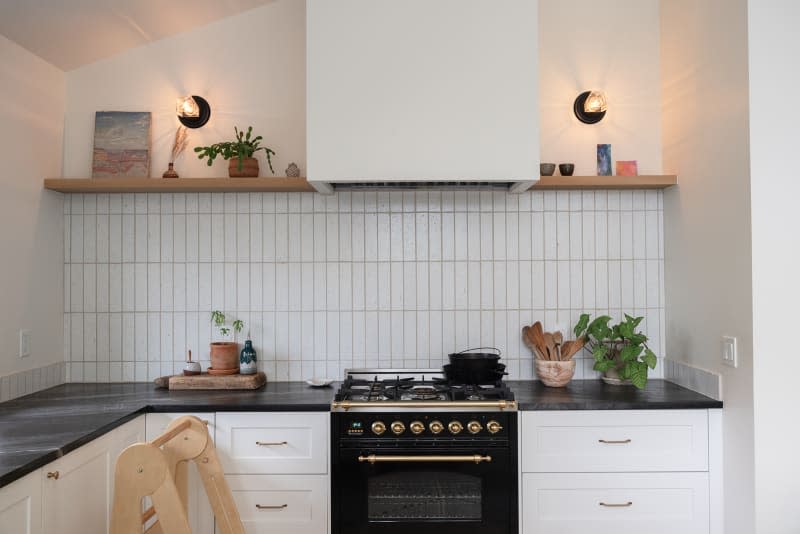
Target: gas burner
[[424, 393], [398, 387]]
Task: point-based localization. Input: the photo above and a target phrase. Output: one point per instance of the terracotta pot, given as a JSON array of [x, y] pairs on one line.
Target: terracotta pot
[[554, 374], [224, 355], [249, 168]]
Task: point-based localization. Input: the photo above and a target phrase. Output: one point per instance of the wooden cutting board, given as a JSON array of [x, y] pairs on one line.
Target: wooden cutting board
[[206, 381]]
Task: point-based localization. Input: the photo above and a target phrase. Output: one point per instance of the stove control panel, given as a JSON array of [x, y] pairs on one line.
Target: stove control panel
[[420, 426]]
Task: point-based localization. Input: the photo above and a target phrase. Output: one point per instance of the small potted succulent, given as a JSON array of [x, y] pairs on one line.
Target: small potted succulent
[[620, 351], [225, 354], [240, 152]]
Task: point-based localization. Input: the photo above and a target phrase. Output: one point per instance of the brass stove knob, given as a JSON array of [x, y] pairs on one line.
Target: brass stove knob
[[455, 427], [417, 427], [378, 428], [398, 427], [436, 427], [474, 427], [494, 427]]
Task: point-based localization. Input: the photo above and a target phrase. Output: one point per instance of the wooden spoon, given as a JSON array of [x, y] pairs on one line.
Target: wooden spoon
[[558, 339], [538, 337], [571, 348], [550, 345], [526, 338]]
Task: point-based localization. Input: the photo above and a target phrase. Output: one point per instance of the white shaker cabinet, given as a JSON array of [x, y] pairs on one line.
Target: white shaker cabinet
[[609, 471], [277, 465], [77, 489], [21, 505]]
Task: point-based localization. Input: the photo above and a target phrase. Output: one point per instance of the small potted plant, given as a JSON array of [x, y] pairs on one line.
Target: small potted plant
[[243, 149], [620, 351], [225, 354]]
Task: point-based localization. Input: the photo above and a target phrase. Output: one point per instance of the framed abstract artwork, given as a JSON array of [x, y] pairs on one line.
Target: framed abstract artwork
[[121, 144], [627, 168]]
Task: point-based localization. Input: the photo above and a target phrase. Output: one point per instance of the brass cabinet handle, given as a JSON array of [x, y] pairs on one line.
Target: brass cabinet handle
[[475, 458], [614, 442], [270, 443], [271, 506], [53, 474], [616, 505]]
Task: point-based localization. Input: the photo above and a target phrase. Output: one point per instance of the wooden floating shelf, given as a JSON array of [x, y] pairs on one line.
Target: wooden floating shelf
[[293, 185], [177, 185], [606, 182]]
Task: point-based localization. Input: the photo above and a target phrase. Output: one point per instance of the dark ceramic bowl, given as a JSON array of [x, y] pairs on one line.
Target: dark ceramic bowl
[[566, 169], [547, 169]]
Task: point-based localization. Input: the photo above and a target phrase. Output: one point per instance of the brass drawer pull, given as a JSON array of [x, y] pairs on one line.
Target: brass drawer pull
[[614, 442], [270, 443], [616, 505], [271, 506], [53, 474]]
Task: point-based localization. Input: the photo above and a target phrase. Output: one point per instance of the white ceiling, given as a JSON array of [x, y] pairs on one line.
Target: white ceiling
[[72, 33]]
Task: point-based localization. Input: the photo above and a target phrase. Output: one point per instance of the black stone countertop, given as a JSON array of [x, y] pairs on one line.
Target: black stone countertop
[[39, 428], [595, 395]]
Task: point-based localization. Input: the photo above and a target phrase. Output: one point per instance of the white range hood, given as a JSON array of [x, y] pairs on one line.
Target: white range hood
[[422, 93]]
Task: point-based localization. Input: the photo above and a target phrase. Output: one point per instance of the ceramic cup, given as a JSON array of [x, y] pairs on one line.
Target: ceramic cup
[[566, 169], [547, 169]]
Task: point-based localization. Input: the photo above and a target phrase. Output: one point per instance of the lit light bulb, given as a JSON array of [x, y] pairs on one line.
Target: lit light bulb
[[187, 107], [595, 102]]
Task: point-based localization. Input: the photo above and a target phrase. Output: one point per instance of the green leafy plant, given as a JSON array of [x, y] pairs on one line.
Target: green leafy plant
[[619, 350], [218, 320], [243, 147]]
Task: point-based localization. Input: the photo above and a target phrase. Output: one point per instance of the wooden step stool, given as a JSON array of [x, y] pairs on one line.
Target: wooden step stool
[[158, 470]]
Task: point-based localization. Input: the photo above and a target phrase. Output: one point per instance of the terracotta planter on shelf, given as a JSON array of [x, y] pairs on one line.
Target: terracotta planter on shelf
[[224, 355], [249, 168]]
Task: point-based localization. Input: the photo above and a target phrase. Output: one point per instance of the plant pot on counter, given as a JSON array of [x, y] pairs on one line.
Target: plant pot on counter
[[249, 168], [224, 356]]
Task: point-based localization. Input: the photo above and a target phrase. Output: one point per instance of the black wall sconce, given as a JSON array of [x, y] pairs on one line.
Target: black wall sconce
[[193, 111], [590, 107]]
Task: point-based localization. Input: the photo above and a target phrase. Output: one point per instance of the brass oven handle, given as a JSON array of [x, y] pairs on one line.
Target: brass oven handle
[[475, 458], [616, 505], [614, 442], [271, 506], [270, 443], [501, 405]]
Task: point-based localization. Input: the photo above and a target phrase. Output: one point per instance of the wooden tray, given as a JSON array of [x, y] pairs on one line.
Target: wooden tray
[[206, 381]]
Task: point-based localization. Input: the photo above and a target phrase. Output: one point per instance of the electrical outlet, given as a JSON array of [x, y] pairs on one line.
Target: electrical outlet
[[729, 353], [24, 343]]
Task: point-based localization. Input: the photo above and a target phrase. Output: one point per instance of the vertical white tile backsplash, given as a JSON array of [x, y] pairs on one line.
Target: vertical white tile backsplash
[[363, 278]]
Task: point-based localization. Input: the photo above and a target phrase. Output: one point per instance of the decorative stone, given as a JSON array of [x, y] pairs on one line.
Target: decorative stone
[[293, 171]]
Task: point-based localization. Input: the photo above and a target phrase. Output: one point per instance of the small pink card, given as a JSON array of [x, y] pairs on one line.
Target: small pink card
[[627, 168]]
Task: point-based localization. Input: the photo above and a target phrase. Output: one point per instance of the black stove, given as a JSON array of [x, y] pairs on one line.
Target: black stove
[[413, 451]]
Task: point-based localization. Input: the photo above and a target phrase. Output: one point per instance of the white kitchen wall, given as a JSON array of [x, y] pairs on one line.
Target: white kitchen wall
[[31, 122], [326, 283], [607, 45], [707, 221]]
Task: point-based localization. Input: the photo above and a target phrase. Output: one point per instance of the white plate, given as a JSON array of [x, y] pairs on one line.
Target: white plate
[[319, 382]]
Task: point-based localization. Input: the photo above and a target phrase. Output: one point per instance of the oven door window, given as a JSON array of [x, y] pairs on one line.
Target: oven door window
[[424, 496]]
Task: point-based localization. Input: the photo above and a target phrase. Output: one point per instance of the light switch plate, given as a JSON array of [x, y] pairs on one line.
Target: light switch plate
[[24, 343], [729, 352]]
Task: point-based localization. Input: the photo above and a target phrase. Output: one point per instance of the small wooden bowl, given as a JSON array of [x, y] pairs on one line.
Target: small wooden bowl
[[554, 374]]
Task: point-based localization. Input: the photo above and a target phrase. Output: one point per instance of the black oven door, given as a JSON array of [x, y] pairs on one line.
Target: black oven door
[[424, 490]]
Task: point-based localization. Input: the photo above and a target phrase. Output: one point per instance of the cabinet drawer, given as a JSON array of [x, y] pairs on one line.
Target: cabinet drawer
[[614, 441], [273, 443], [281, 503], [656, 503]]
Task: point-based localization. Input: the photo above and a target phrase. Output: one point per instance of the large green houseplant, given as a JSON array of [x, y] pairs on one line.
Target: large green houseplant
[[620, 351], [243, 148]]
